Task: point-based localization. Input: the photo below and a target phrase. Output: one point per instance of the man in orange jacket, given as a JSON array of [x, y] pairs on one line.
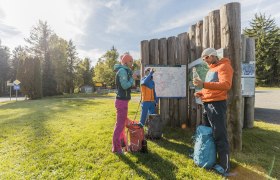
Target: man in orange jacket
[[217, 83]]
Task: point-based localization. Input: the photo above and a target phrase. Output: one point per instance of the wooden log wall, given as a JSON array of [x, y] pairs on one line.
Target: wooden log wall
[[230, 18], [192, 56], [183, 43], [249, 102], [219, 29], [164, 103]]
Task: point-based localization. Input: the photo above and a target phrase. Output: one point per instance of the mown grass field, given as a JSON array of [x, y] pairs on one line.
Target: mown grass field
[[70, 138]]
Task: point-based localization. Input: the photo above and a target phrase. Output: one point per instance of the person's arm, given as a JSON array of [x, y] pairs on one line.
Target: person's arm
[[146, 79], [198, 94], [225, 79], [123, 77], [155, 95]]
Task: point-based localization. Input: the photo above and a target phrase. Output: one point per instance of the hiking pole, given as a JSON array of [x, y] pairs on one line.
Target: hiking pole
[[137, 109]]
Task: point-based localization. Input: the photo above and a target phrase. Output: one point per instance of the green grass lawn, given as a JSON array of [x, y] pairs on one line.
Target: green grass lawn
[[70, 138]]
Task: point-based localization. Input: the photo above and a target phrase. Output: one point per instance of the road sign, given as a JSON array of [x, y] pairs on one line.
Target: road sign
[[10, 84], [16, 87], [16, 82]]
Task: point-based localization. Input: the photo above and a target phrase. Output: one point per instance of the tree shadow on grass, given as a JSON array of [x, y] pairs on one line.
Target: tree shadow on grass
[[239, 172], [173, 146], [135, 167], [163, 168], [261, 150]]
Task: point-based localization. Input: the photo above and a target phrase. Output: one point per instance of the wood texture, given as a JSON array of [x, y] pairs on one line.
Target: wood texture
[[214, 29], [164, 102], [230, 40]]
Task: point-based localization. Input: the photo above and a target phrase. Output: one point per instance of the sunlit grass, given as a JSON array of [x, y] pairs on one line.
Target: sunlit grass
[[68, 138]]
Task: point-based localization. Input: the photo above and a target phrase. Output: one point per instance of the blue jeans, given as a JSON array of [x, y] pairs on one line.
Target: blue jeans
[[147, 106]]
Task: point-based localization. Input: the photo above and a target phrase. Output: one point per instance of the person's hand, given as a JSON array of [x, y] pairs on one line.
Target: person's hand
[[198, 83], [198, 94], [134, 76]]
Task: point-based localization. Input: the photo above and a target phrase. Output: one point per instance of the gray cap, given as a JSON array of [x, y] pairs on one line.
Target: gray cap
[[209, 52]]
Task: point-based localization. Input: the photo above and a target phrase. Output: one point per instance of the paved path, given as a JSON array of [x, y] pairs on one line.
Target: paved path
[[267, 105], [3, 99]]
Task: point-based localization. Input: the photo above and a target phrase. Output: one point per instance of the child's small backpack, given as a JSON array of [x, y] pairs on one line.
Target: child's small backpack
[[154, 124], [137, 142], [204, 148]]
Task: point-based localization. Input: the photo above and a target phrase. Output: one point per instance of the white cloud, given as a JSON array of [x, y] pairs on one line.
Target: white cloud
[[66, 18], [93, 54]]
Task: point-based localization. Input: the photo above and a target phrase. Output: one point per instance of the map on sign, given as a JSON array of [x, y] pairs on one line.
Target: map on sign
[[170, 81]]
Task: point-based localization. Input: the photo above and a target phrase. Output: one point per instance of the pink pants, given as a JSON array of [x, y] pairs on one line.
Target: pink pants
[[119, 132]]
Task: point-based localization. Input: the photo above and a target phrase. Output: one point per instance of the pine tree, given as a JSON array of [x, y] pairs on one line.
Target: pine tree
[[4, 67], [29, 74], [267, 36], [72, 62], [39, 41], [104, 69]]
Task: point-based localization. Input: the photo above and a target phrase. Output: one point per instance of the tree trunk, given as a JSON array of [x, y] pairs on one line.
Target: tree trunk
[[214, 29], [171, 60], [249, 110], [230, 41], [183, 60], [164, 102]]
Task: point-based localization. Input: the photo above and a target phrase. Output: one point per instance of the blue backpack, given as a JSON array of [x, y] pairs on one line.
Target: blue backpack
[[204, 149]]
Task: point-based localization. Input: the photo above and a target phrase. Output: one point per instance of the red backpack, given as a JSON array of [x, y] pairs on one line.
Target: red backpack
[[137, 142]]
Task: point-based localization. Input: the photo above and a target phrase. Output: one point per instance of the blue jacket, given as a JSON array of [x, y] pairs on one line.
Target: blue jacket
[[148, 88], [124, 81]]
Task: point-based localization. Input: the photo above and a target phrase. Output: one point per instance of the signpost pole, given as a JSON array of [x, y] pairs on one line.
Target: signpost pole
[[10, 93]]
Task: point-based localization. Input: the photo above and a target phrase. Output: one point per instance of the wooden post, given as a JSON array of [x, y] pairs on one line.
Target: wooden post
[[183, 60], [198, 42], [249, 110], [230, 40], [214, 29], [243, 57], [153, 52], [171, 60], [164, 105], [144, 55], [205, 39], [192, 42], [198, 38], [153, 56], [192, 104]]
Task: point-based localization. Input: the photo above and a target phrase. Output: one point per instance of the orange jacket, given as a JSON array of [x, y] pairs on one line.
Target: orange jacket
[[218, 81], [147, 93]]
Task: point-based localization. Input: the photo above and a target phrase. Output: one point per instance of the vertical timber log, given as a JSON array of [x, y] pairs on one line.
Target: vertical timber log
[[164, 105], [249, 110], [230, 40], [192, 104], [144, 55], [198, 42], [171, 60], [243, 57], [205, 39], [153, 52], [198, 38], [214, 29], [183, 60], [153, 55]]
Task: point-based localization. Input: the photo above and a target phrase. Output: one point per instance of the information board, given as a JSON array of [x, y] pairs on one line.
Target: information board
[[248, 79], [170, 81]]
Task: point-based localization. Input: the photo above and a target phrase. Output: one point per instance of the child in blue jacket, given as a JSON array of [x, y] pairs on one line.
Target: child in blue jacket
[[148, 96]]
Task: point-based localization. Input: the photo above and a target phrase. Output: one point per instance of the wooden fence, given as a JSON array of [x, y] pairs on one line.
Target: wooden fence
[[220, 29]]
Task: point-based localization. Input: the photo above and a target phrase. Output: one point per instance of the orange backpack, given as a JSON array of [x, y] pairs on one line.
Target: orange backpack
[[137, 142]]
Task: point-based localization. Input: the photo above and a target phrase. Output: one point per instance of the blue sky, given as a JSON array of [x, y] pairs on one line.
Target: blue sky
[[97, 25]]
